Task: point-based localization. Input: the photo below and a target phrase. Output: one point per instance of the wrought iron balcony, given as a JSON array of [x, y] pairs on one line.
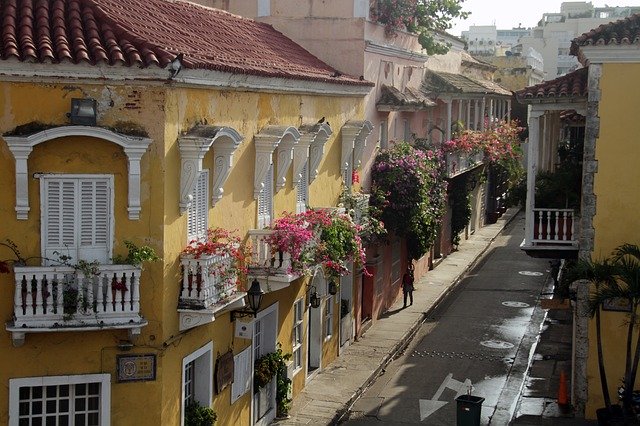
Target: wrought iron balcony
[[60, 298]]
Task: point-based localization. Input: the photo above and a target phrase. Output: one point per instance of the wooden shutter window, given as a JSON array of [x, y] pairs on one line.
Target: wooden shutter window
[[76, 217]]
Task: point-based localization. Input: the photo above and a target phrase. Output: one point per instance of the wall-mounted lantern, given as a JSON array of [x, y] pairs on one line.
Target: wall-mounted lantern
[[83, 111], [254, 298]]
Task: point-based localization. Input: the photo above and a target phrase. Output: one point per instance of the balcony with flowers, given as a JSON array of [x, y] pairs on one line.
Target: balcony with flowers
[[209, 284], [84, 296], [297, 244]]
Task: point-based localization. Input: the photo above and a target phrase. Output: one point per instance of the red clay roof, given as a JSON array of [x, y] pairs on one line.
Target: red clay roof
[[572, 85], [623, 32], [148, 33]]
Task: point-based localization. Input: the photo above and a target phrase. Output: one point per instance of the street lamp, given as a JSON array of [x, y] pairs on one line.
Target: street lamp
[[314, 299], [254, 297], [333, 287]]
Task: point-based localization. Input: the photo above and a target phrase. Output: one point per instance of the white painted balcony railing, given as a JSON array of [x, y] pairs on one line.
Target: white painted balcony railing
[[207, 281], [361, 208], [262, 257], [50, 298], [553, 226], [458, 163]]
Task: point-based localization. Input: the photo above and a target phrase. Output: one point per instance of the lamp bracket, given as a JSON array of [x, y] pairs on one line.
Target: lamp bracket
[[241, 313]]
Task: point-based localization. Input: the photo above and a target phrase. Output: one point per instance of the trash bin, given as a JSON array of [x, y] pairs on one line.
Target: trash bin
[[468, 410]]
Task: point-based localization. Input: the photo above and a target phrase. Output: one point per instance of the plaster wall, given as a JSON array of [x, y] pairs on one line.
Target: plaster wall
[[615, 221]]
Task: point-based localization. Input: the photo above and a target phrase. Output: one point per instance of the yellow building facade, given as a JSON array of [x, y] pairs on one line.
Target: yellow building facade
[[129, 349]]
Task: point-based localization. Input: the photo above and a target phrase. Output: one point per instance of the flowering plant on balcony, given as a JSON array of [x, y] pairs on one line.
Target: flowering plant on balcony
[[364, 215], [498, 143], [318, 237], [409, 192], [223, 243]]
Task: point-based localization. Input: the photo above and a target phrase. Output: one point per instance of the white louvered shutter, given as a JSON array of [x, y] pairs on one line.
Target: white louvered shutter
[[59, 218], [265, 201], [94, 217], [198, 213], [76, 218], [302, 193], [242, 374]]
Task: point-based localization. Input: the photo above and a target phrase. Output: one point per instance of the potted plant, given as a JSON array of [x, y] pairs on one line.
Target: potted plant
[[198, 415], [268, 366], [617, 277]]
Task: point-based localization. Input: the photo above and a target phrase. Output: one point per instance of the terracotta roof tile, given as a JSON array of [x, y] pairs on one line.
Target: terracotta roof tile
[[623, 32], [443, 82], [411, 99], [151, 33], [572, 85]]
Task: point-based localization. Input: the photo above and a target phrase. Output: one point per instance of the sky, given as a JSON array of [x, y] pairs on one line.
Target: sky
[[506, 14]]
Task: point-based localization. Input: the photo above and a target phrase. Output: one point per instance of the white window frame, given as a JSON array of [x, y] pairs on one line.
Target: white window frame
[[43, 213], [328, 317], [297, 335], [198, 211], [105, 393], [203, 370]]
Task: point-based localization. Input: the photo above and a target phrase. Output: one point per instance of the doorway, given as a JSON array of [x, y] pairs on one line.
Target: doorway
[[265, 330]]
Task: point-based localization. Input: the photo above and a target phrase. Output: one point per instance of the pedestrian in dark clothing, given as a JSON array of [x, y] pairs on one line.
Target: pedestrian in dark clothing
[[407, 286]]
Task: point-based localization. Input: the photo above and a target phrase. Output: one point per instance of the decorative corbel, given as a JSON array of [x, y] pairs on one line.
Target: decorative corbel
[[360, 142], [350, 131], [321, 133], [284, 155], [192, 152], [225, 144], [266, 142]]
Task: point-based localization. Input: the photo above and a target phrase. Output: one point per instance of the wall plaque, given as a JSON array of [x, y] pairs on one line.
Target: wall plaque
[[136, 368], [224, 371]]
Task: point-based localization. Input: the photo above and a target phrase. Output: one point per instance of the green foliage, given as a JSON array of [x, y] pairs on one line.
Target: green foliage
[[423, 17], [409, 192], [460, 200], [275, 364], [136, 256], [197, 415]]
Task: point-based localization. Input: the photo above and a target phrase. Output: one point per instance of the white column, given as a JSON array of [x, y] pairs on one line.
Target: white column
[[509, 110], [21, 154], [448, 131], [134, 155], [532, 170], [467, 123], [476, 113], [459, 118], [482, 112]]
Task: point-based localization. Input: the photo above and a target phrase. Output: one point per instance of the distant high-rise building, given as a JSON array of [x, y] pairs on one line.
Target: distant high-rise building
[[551, 37]]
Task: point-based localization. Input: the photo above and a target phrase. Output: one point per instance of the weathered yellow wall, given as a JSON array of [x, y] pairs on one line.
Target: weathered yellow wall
[[83, 352], [164, 114], [616, 220]]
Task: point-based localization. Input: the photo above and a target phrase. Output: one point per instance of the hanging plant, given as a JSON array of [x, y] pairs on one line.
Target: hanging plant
[[409, 192]]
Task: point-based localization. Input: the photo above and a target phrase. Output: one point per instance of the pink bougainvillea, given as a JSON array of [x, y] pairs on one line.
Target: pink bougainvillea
[[498, 143]]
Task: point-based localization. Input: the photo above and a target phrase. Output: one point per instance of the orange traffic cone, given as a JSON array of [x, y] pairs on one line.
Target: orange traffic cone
[[563, 395]]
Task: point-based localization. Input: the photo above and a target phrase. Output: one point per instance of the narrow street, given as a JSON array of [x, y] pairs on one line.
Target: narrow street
[[479, 339]]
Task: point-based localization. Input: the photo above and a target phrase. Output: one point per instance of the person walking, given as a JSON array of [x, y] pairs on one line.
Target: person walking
[[407, 286]]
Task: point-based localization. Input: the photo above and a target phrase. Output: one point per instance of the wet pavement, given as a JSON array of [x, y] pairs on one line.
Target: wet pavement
[[526, 394]]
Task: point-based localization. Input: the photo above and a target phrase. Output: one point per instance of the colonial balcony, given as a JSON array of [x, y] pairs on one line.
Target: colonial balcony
[[60, 298], [272, 268], [459, 163], [551, 233], [209, 288]]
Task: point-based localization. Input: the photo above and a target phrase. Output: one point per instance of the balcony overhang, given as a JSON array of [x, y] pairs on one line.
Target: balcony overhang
[[550, 251], [190, 318]]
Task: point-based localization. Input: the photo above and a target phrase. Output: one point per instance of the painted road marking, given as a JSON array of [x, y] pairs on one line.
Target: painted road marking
[[430, 406]]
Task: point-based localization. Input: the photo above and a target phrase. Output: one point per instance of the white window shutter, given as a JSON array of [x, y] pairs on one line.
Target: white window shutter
[[76, 217], [198, 213], [302, 195], [94, 218], [59, 218], [242, 374], [265, 201]]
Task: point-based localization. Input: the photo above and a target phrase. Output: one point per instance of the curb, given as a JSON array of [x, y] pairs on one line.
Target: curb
[[413, 329]]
